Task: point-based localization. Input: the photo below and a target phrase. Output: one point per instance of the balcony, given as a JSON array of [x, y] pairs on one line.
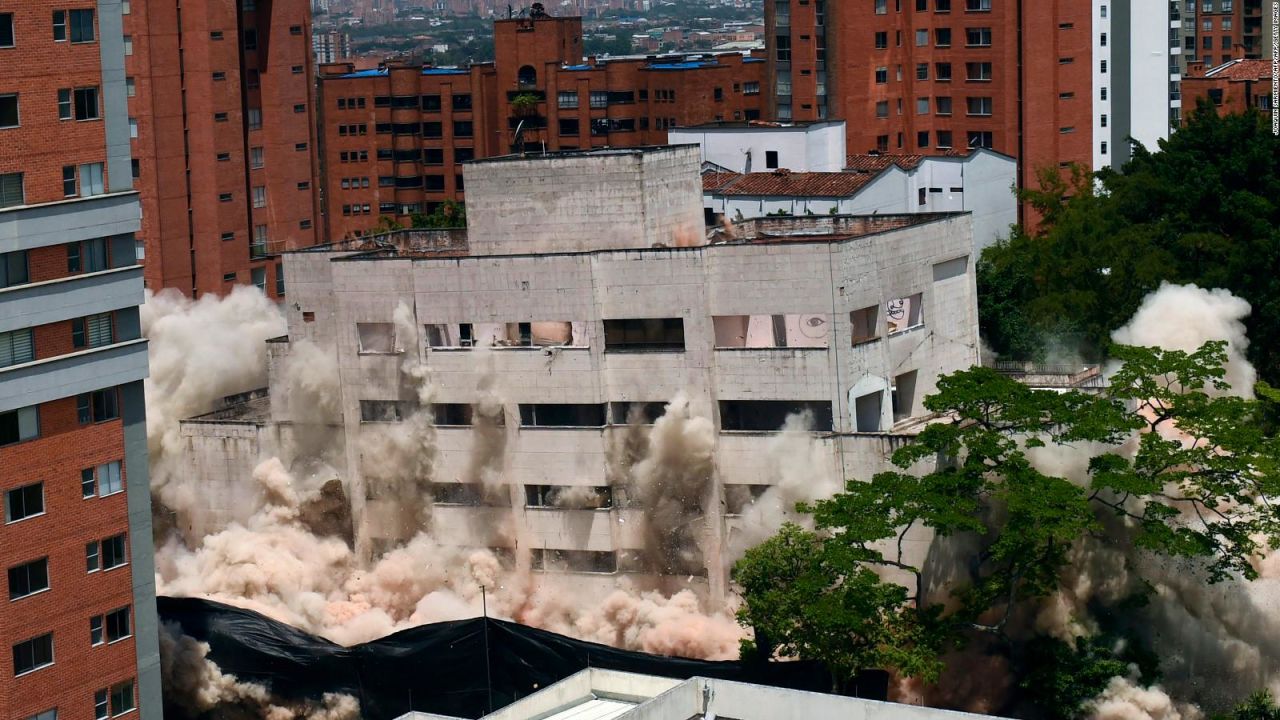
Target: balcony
[[26, 227], [67, 375], [70, 297]]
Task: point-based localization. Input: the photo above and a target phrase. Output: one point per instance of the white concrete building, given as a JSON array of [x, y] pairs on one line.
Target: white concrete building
[[549, 359], [980, 183], [596, 694], [1136, 76], [745, 147]]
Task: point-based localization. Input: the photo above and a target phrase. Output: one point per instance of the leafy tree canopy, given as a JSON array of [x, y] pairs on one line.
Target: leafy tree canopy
[[1204, 209], [1194, 484]]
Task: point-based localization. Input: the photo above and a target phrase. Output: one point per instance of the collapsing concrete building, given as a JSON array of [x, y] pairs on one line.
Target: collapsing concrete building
[[583, 384]]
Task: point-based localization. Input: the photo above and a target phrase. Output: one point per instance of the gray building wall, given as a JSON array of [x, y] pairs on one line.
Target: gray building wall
[[574, 202], [825, 279]]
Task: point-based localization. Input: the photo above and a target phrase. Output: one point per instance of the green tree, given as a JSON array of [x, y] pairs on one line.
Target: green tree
[[1061, 677], [447, 215], [1259, 706], [1203, 209], [1217, 468]]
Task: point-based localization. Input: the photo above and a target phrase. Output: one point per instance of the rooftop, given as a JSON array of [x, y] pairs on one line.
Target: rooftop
[[784, 183], [1242, 70], [761, 125], [595, 694], [252, 407], [875, 162], [595, 152]]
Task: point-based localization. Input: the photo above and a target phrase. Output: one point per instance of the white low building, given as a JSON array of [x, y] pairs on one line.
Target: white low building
[[980, 182], [596, 694], [756, 146]]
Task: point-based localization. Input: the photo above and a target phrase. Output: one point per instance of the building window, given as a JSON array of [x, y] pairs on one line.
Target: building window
[[981, 139], [250, 39], [943, 107], [771, 415], [17, 347], [1104, 66], [11, 193], [33, 654], [660, 334], [922, 138], [24, 502], [28, 578], [6, 30], [463, 128], [254, 118], [882, 109], [87, 256], [259, 196], [922, 38], [13, 268], [93, 331], [258, 248], [977, 5], [978, 71], [922, 71], [882, 7], [128, 45], [19, 425], [257, 157], [562, 415], [114, 552], [567, 100], [1104, 147], [978, 37], [59, 25], [882, 40], [942, 37], [599, 98], [376, 338], [9, 111], [114, 701], [97, 406], [980, 106], [944, 140], [78, 104]]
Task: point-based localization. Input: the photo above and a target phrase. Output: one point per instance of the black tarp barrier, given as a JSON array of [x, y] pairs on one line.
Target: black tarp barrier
[[438, 668]]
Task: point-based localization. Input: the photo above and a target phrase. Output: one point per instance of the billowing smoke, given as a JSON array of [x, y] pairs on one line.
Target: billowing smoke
[[674, 481], [1184, 317], [197, 687], [290, 555]]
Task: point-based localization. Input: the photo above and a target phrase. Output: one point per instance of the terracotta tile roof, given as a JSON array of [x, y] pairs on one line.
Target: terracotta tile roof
[[867, 162], [787, 184], [1242, 70]]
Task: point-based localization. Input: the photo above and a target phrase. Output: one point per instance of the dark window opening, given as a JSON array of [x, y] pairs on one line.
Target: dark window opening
[[562, 415], [644, 413], [771, 415], [662, 334]]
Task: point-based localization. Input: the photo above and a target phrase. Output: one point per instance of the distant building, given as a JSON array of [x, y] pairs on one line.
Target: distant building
[[586, 285], [331, 46], [980, 182], [596, 694], [219, 97], [1232, 87], [393, 139]]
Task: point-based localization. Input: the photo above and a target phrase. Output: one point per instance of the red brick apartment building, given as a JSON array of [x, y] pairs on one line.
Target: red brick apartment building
[[1227, 30], [919, 76], [78, 622], [392, 139], [223, 138], [1231, 88]]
